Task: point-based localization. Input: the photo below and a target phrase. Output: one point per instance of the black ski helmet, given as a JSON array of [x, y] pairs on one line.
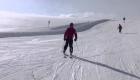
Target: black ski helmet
[[71, 24]]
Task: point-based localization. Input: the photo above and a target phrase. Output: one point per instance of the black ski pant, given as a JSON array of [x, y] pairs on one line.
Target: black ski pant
[[70, 44], [120, 30]]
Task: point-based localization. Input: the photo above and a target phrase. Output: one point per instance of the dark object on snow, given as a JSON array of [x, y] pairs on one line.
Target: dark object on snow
[[120, 28], [124, 19], [70, 56], [49, 22], [68, 37]]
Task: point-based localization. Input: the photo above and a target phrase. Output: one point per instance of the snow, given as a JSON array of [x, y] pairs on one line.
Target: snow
[[101, 53]]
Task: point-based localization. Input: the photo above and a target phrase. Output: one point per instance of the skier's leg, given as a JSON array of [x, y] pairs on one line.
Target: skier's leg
[[119, 30], [65, 47], [71, 46]]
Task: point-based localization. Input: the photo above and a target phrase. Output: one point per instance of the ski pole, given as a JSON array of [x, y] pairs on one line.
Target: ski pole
[[79, 49], [77, 46]]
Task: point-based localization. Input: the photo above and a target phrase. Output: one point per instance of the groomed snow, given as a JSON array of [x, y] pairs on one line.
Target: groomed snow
[[101, 53]]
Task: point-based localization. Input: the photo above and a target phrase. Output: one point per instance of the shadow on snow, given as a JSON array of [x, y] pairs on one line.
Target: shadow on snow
[[107, 66]]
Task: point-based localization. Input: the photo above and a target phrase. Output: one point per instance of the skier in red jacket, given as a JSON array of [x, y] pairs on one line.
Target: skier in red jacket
[[68, 37]]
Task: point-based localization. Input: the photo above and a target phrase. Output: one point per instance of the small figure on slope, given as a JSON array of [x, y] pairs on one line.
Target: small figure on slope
[[120, 28], [124, 19], [49, 22]]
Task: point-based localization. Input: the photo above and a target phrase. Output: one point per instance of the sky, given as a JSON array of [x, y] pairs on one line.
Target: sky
[[69, 7]]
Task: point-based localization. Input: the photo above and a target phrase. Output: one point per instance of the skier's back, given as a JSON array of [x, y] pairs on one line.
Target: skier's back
[[70, 33]]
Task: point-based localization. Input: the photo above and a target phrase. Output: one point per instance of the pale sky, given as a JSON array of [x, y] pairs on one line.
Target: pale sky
[[58, 7]]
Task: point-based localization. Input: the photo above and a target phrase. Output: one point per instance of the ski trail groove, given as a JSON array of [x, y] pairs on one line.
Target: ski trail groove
[[79, 75], [97, 71], [57, 69], [122, 62], [73, 74], [75, 70], [78, 72]]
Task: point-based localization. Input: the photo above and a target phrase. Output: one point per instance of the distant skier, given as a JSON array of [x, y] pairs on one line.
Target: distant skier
[[49, 22], [124, 19], [120, 28], [68, 37]]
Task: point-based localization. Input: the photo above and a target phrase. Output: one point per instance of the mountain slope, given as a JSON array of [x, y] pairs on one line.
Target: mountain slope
[[101, 53]]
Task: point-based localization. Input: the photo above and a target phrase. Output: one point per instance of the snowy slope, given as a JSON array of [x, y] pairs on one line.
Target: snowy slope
[[49, 31], [101, 53]]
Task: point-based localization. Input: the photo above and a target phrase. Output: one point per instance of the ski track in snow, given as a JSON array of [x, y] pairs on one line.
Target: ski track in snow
[[58, 69], [97, 71], [101, 53]]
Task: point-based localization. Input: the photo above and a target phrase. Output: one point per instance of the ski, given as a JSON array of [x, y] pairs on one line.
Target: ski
[[70, 56], [65, 56]]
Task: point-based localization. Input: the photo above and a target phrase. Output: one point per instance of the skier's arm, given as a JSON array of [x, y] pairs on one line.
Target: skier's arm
[[65, 35]]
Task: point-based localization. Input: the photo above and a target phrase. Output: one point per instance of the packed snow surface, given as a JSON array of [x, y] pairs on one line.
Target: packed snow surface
[[101, 53]]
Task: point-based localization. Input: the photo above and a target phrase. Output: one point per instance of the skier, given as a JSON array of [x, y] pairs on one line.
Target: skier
[[49, 23], [120, 28], [68, 37], [124, 19]]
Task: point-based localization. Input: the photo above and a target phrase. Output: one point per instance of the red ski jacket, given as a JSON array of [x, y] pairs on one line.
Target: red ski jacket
[[70, 33]]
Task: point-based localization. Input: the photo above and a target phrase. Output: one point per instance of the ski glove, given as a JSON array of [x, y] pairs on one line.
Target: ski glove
[[75, 39], [64, 39]]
